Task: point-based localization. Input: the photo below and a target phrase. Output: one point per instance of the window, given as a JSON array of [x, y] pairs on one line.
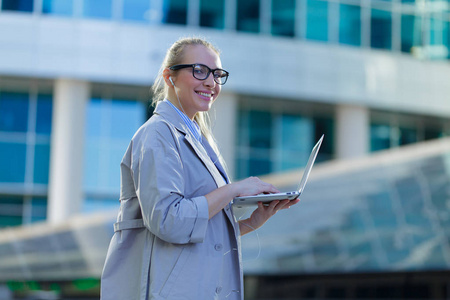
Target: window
[[317, 20], [18, 210], [212, 13], [110, 125], [350, 25], [438, 37], [381, 29], [58, 7], [18, 5], [25, 128], [12, 160], [248, 15], [137, 10], [99, 9], [25, 146], [283, 17], [380, 137], [269, 142], [14, 112], [175, 11], [411, 33]]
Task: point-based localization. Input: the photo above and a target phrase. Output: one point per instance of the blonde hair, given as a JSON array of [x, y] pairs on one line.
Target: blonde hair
[[173, 57]]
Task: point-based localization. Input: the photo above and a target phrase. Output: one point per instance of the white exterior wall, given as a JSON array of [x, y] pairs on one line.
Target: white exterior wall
[[115, 52], [223, 116], [352, 131]]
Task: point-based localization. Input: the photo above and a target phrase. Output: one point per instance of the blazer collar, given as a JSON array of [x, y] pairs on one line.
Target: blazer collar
[[164, 110]]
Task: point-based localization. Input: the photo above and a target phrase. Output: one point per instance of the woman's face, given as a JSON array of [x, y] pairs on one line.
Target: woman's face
[[196, 95]]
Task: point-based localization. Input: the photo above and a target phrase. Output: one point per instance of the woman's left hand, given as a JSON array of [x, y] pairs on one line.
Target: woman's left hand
[[264, 213]]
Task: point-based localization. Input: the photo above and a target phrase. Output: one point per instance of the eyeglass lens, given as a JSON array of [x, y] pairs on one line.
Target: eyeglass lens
[[201, 72]]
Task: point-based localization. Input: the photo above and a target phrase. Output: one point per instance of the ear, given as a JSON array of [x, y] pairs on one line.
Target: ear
[[166, 75]]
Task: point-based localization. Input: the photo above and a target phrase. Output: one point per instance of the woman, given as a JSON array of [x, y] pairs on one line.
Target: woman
[[176, 236]]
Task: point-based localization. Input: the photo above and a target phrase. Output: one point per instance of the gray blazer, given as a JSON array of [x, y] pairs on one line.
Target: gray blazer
[[164, 245]]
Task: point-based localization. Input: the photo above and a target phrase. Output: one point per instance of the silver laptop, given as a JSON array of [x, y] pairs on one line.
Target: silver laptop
[[266, 198]]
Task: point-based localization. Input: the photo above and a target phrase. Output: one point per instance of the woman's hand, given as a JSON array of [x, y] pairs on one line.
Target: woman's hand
[[264, 213], [253, 186]]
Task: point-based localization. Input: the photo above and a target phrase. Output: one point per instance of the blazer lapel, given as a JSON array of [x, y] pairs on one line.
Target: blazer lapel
[[201, 153], [201, 150]]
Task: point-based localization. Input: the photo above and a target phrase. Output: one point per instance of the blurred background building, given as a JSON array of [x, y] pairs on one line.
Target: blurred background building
[[372, 75]]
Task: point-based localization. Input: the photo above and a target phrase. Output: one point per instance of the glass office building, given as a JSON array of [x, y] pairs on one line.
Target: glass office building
[[371, 75]]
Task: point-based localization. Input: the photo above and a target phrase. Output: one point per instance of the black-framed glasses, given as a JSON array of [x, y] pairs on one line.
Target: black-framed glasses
[[201, 72]]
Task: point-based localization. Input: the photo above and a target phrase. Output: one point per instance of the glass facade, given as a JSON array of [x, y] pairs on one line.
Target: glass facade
[[137, 10], [407, 26], [273, 142], [58, 7], [411, 33], [18, 5], [175, 11], [110, 125], [212, 13], [283, 18], [317, 20], [390, 131], [248, 12], [25, 128], [99, 9], [350, 25], [381, 29]]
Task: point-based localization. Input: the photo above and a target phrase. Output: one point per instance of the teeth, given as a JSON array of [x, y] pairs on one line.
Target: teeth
[[204, 94]]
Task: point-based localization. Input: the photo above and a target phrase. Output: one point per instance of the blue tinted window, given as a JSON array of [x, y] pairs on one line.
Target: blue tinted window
[[350, 25], [407, 136], [94, 118], [438, 37], [381, 29], [259, 166], [91, 165], [212, 13], [131, 111], [283, 17], [58, 7], [11, 210], [293, 152], [18, 5], [317, 20], [260, 129], [12, 162], [100, 9], [93, 205], [175, 11], [44, 115], [248, 15], [13, 112], [411, 32], [41, 163], [138, 10], [110, 126], [380, 137], [38, 209]]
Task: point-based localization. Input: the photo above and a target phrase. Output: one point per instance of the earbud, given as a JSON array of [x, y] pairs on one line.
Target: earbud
[[170, 78]]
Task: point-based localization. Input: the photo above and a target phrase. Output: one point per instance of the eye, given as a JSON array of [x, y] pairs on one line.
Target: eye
[[200, 70], [219, 74]]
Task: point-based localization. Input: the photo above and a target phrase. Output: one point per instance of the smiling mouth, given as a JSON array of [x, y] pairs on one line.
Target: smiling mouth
[[205, 94]]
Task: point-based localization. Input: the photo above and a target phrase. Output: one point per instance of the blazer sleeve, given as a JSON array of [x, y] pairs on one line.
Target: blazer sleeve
[[159, 182]]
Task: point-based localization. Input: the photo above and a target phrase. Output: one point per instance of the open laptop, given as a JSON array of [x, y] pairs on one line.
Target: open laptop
[[266, 198]]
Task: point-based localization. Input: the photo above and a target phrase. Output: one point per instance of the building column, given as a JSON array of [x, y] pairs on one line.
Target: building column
[[224, 127], [352, 131], [65, 194]]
